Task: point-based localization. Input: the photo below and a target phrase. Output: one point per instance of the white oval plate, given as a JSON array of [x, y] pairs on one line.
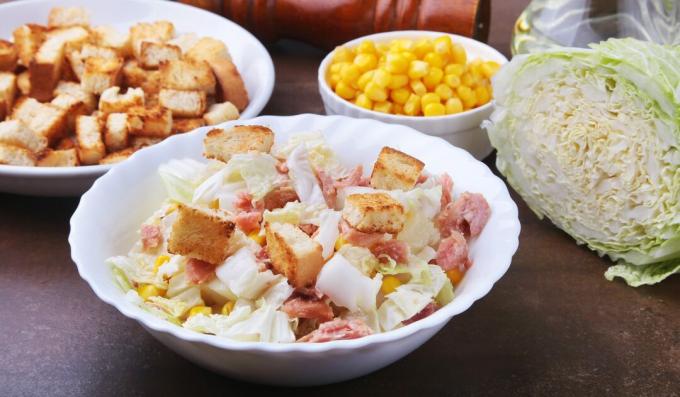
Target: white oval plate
[[249, 55], [109, 214]]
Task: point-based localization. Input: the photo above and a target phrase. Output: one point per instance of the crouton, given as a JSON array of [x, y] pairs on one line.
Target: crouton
[[201, 234], [207, 49], [68, 142], [73, 106], [155, 31], [108, 36], [180, 126], [189, 76], [116, 132], [59, 158], [77, 57], [89, 140], [100, 74], [8, 90], [136, 76], [13, 132], [220, 113], [222, 144], [14, 155], [45, 69], [24, 82], [231, 84], [74, 36], [374, 213], [61, 17], [395, 170], [183, 103], [138, 142], [42, 118], [27, 39], [8, 56], [149, 121], [75, 90], [111, 101], [117, 157], [153, 53], [293, 253], [185, 41]]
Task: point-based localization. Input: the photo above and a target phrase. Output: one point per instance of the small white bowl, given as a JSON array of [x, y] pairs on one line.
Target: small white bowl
[[462, 129], [249, 55], [106, 220]]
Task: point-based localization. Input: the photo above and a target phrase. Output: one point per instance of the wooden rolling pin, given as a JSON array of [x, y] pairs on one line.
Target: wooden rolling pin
[[328, 23]]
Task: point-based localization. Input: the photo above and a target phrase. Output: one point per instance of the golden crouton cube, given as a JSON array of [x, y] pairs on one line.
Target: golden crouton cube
[[188, 76], [112, 101], [201, 234], [147, 80], [14, 155], [24, 83], [59, 158], [73, 106], [149, 121], [108, 36], [185, 41], [8, 56], [14, 132], [293, 253], [74, 89], [45, 69], [207, 49], [89, 140], [222, 144], [231, 84], [63, 17], [183, 103], [219, 113], [42, 118], [153, 53], [155, 31], [27, 39], [395, 170], [8, 90], [116, 132], [374, 213], [77, 56], [100, 74], [118, 156], [180, 125]]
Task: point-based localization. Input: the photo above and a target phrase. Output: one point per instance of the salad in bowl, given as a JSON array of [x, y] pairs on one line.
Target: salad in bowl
[[285, 242]]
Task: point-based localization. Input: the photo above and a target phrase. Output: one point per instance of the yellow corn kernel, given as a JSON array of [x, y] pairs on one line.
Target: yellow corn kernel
[[403, 45], [434, 76], [397, 81], [215, 204], [412, 105], [428, 98], [458, 54], [160, 260], [443, 45], [227, 308], [339, 242], [389, 285], [397, 109], [337, 67], [333, 80], [383, 107], [467, 96], [454, 68], [257, 237], [444, 91], [434, 59], [482, 95], [200, 310], [342, 54], [489, 68], [418, 69], [400, 95], [382, 47], [350, 73], [366, 61], [375, 92], [410, 57], [452, 80], [418, 87], [363, 101], [396, 63], [366, 47], [381, 77], [434, 109], [453, 105], [345, 90], [467, 79], [146, 291], [422, 47], [455, 276], [364, 79]]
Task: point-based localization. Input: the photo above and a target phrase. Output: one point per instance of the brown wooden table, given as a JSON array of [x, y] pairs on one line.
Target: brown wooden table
[[551, 326]]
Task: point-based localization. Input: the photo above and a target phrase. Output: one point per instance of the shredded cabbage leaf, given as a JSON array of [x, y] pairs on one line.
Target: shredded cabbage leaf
[[304, 180], [346, 286]]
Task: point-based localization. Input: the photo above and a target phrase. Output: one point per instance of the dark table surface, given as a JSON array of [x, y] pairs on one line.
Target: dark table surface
[[551, 326]]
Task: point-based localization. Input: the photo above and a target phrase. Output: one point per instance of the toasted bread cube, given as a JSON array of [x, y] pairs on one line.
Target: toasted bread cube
[[374, 213], [155, 31], [208, 49], [14, 132], [68, 142], [116, 132], [185, 41], [61, 17], [100, 74], [111, 101], [180, 126], [59, 158], [14, 155], [24, 83], [42, 118], [73, 37], [118, 156], [8, 56], [183, 103], [294, 254], [8, 90], [147, 80], [220, 112], [138, 142], [201, 234], [75, 90], [89, 140], [45, 69], [108, 36], [77, 57], [73, 106], [27, 39], [222, 144], [395, 170], [189, 76], [153, 53], [150, 121], [231, 84]]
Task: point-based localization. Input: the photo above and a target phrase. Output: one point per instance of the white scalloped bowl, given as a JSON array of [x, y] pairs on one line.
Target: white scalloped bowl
[[462, 129], [249, 55], [109, 214]]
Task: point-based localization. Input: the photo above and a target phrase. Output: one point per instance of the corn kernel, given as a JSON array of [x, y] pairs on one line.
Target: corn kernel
[[397, 109], [482, 95], [257, 237], [467, 96], [383, 107], [458, 54], [366, 61], [344, 90], [363, 101], [339, 242], [160, 261], [214, 204], [200, 310], [337, 67], [434, 76], [418, 87], [455, 276], [382, 47], [410, 57], [434, 59], [400, 95], [412, 105], [489, 68], [397, 81], [375, 92], [453, 105], [452, 80], [364, 79], [342, 54], [443, 45], [403, 45], [366, 47], [396, 63], [454, 68], [422, 47], [146, 291], [333, 80], [434, 109], [389, 285], [444, 91], [381, 77], [350, 73], [227, 308], [429, 98], [467, 79], [418, 69]]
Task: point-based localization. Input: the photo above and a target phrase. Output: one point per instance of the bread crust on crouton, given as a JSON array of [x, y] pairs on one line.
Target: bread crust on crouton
[[75, 90], [207, 49], [43, 118], [136, 76], [201, 234], [24, 83], [27, 39], [182, 125], [116, 132], [8, 91], [395, 170], [8, 56], [221, 144], [117, 156], [152, 54], [14, 155], [374, 213], [232, 87], [149, 121], [112, 101], [59, 158], [188, 76], [293, 253], [219, 113], [89, 142], [100, 74], [73, 106], [150, 31]]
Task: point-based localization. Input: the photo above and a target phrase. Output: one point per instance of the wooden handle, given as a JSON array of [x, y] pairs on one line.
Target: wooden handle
[[328, 23]]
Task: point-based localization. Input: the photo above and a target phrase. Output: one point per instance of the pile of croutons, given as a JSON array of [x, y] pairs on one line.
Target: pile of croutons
[[74, 94]]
